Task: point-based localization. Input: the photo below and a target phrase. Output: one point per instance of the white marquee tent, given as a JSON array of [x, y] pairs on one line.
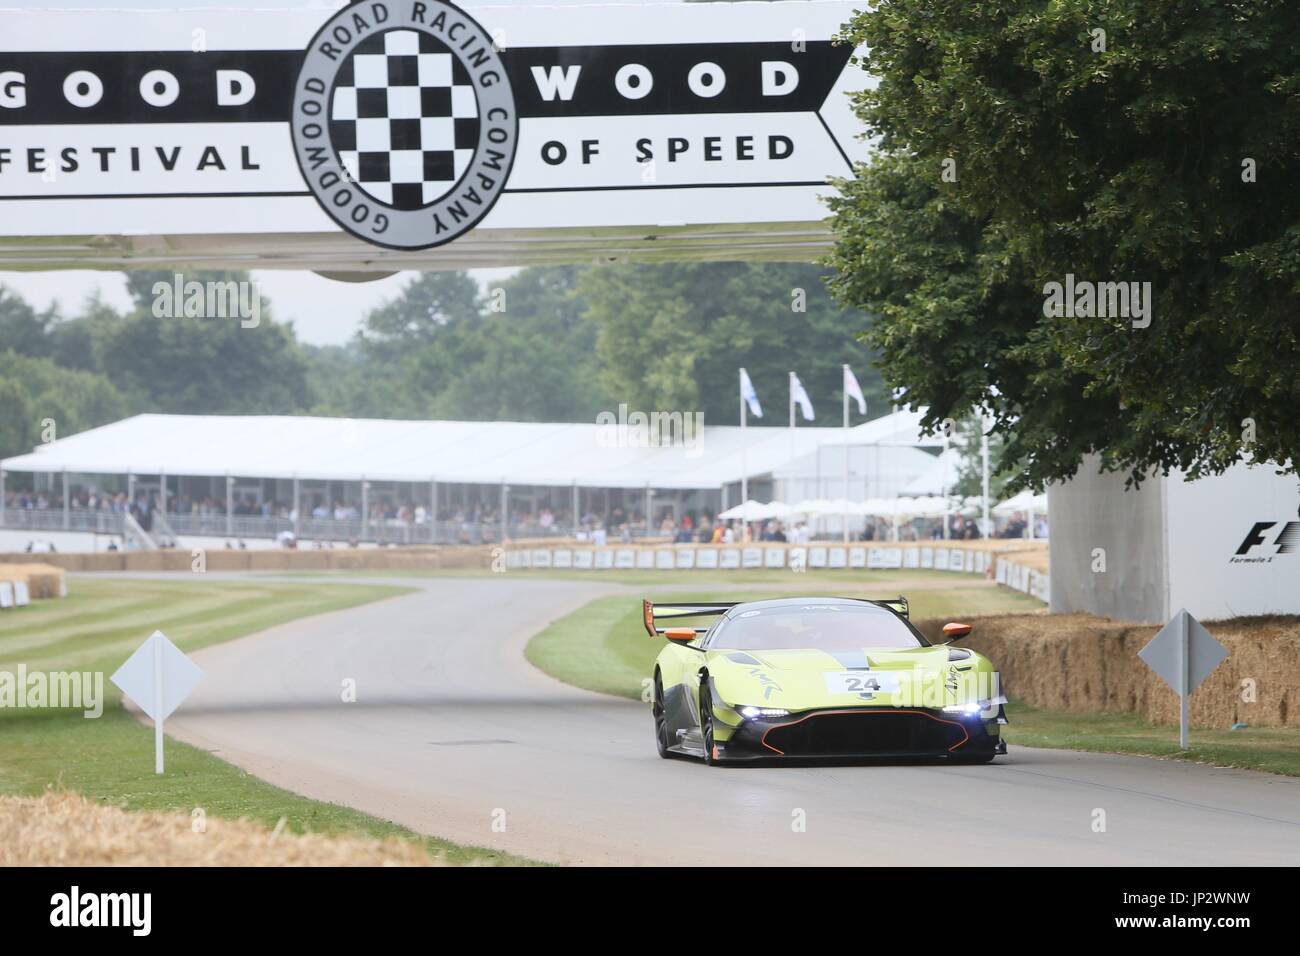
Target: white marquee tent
[[1024, 501], [520, 453]]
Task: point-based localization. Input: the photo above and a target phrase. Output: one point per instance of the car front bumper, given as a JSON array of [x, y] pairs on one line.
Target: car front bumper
[[864, 732]]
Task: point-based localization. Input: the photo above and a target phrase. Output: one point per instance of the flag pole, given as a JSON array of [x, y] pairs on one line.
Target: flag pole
[[744, 473], [943, 486], [792, 452], [792, 416], [985, 531], [844, 386]]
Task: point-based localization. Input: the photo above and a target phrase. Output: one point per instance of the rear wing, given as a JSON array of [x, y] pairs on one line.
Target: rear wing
[[898, 604], [652, 614]]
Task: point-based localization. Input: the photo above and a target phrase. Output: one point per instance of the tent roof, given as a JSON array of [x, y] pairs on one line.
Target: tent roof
[[521, 453], [939, 478]]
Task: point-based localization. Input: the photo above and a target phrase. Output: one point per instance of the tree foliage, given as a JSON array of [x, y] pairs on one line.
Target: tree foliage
[[203, 365], [1164, 150], [545, 344], [34, 390], [671, 337]]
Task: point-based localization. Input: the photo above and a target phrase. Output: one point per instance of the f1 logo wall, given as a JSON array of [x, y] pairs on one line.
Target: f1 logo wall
[[408, 123], [1267, 540], [1233, 543]]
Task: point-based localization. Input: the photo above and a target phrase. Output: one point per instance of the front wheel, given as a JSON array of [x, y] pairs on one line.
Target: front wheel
[[661, 720], [706, 727]]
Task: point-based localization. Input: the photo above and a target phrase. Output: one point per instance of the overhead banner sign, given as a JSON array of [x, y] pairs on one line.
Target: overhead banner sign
[[409, 123]]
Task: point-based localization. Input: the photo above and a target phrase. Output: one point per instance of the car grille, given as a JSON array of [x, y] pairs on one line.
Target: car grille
[[843, 732]]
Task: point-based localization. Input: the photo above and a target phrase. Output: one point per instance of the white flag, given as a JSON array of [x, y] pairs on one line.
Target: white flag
[[853, 390], [800, 397], [749, 395]]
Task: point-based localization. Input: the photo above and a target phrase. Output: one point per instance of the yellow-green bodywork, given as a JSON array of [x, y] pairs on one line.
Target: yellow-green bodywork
[[928, 678]]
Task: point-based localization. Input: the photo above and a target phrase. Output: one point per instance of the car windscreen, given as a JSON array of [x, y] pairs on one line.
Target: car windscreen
[[828, 627]]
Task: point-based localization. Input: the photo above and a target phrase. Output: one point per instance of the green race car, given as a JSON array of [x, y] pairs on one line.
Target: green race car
[[819, 677]]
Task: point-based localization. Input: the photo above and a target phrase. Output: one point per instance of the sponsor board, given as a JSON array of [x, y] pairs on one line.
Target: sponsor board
[[1009, 573], [408, 124]]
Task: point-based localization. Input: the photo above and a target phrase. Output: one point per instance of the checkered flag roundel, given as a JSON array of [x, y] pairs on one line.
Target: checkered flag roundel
[[404, 118]]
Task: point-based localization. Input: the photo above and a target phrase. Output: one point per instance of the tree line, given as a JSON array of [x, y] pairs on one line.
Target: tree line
[[546, 344]]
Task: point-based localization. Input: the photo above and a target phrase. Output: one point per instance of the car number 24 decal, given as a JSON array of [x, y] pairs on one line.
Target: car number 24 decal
[[861, 682]]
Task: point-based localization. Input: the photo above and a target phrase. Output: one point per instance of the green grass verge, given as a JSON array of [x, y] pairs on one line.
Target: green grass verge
[[603, 647], [1272, 749], [110, 759]]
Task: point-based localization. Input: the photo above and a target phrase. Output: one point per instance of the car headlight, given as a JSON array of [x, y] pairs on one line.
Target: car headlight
[[975, 707], [750, 713]]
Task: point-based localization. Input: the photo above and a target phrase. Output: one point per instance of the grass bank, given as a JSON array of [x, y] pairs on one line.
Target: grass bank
[[110, 759]]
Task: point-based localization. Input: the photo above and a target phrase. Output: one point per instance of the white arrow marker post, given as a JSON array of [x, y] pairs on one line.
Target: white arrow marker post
[[1182, 655], [158, 677]]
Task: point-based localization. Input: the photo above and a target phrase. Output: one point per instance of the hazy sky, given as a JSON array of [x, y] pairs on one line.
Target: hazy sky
[[322, 310]]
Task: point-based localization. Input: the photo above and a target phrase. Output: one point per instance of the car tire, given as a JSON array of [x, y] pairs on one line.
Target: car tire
[[706, 724], [661, 719]]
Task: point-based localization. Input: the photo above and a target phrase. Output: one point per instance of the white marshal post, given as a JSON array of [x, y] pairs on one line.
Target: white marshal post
[[158, 707], [158, 676], [1183, 654]]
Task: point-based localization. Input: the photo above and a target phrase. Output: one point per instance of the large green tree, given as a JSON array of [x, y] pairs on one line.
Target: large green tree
[[202, 365], [35, 390], [22, 328], [1113, 140], [446, 348], [671, 337]]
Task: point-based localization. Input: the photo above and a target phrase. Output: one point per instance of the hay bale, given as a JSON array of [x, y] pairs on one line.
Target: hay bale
[[66, 829], [1089, 664], [222, 559], [268, 560], [100, 561], [146, 561], [43, 580]]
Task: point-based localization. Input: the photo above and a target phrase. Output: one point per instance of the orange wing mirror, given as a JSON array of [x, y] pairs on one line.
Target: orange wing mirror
[[955, 632], [680, 635]]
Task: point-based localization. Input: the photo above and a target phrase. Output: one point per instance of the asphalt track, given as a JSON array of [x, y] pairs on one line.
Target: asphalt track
[[454, 734]]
